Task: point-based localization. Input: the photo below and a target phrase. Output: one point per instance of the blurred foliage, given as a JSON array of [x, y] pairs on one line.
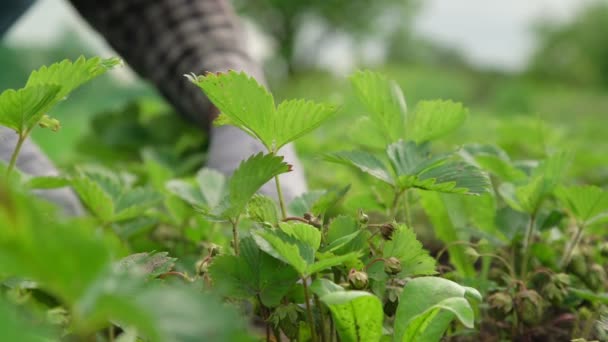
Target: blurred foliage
[[284, 19], [575, 52]]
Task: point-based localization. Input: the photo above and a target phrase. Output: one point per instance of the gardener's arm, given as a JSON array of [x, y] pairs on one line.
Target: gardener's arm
[[165, 39]]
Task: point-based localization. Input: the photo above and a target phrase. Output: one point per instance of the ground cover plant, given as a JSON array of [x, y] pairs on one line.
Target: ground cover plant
[[170, 251]]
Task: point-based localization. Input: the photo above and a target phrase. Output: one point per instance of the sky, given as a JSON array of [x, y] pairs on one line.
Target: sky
[[490, 33]]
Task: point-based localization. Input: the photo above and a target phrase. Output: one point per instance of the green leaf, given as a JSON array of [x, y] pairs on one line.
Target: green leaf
[[94, 197], [384, 100], [286, 251], [212, 186], [528, 196], [47, 182], [249, 106], [364, 161], [253, 273], [16, 328], [433, 119], [296, 244], [329, 262], [432, 324], [330, 198], [322, 287], [247, 179], [304, 203], [344, 236], [133, 202], [205, 191], [420, 320], [500, 167], [340, 227], [317, 202], [21, 109], [70, 75], [112, 199], [591, 296], [358, 315], [170, 313], [151, 264], [187, 191], [303, 232], [295, 118], [586, 203], [445, 230], [263, 209], [415, 260], [416, 168]]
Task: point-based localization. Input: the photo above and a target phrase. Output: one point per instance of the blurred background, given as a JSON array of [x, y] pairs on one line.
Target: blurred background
[[533, 73]]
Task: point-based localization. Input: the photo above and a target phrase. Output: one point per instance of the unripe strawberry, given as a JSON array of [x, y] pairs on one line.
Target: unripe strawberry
[[392, 266], [557, 288], [604, 249], [596, 278], [501, 302], [530, 306], [286, 317], [357, 279], [578, 265]]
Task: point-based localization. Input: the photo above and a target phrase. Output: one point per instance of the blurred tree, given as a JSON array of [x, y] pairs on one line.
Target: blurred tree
[[575, 52], [362, 19]]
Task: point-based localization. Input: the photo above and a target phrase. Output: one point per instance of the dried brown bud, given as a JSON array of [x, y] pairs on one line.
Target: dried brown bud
[[214, 250], [312, 220], [387, 231], [202, 266]]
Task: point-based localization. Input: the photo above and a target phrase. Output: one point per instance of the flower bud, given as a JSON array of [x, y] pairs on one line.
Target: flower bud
[[362, 217], [357, 279], [392, 266], [471, 254]]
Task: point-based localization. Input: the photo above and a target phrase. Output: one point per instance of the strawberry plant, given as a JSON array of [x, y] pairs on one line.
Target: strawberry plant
[[167, 255]]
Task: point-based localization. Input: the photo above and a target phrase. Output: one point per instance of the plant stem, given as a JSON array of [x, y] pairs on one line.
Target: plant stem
[[393, 209], [571, 246], [406, 207], [15, 154], [526, 246], [235, 235], [321, 319], [311, 321], [281, 200]]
